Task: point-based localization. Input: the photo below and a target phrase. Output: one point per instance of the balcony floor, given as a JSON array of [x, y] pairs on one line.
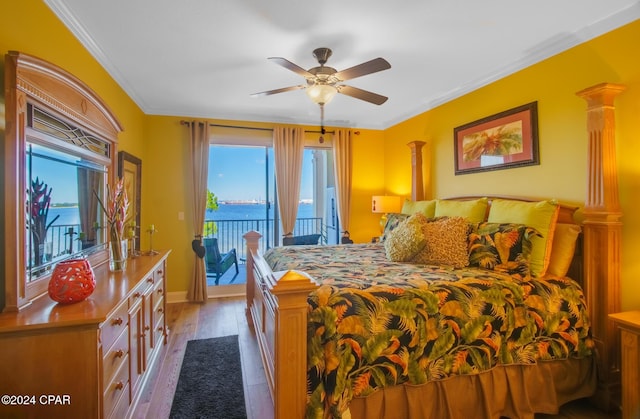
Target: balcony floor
[[230, 277]]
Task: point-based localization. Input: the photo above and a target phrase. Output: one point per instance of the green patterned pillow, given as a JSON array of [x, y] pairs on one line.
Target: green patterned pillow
[[406, 240], [540, 215], [393, 220], [502, 247]]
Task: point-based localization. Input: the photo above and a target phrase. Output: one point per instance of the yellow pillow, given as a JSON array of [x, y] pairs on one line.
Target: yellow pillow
[[427, 208], [563, 249], [474, 211], [540, 215]]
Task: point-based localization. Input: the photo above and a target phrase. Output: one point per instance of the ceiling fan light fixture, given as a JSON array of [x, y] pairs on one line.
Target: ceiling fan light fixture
[[321, 94]]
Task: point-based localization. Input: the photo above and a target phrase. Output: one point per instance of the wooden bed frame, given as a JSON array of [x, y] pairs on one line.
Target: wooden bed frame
[[277, 301]]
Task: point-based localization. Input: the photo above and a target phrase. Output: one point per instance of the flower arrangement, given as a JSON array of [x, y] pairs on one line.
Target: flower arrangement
[[116, 210], [38, 203]]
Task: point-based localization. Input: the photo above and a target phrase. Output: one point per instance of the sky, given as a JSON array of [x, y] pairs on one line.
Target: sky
[[60, 177], [238, 173], [235, 173]]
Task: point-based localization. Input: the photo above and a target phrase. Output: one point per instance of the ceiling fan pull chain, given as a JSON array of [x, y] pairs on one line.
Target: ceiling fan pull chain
[[322, 131]]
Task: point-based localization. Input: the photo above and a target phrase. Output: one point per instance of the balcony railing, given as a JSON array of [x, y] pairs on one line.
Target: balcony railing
[[61, 241], [229, 232], [64, 237]]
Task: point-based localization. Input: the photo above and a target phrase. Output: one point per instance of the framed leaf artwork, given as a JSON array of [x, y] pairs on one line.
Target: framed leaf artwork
[[502, 141]]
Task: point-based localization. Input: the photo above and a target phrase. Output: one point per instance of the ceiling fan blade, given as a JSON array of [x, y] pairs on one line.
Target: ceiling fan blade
[[290, 66], [373, 66], [365, 95], [273, 92]]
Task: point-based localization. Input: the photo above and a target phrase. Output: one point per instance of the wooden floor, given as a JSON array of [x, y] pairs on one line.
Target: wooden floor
[[225, 316]]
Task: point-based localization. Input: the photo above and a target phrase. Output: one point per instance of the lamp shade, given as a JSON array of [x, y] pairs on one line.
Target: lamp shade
[[386, 204], [321, 93]]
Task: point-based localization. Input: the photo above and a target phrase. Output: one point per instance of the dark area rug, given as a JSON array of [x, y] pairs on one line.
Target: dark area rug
[[210, 381]]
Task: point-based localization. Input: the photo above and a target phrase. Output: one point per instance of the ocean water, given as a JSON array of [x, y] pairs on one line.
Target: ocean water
[[71, 216], [251, 212]]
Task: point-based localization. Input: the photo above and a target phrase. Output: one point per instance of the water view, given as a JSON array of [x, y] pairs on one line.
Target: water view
[[71, 216]]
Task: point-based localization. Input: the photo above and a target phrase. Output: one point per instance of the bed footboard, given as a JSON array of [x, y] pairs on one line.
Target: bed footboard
[[277, 309]]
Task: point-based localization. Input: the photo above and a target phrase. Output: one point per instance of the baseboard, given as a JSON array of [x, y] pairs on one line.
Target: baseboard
[[177, 297], [236, 290]]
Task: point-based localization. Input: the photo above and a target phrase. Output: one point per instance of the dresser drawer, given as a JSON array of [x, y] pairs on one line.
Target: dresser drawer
[[117, 388], [122, 407], [140, 291], [158, 274], [112, 328], [114, 357], [159, 331]]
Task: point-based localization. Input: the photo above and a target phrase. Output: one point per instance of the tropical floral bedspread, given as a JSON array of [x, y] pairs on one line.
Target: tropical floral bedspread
[[375, 323]]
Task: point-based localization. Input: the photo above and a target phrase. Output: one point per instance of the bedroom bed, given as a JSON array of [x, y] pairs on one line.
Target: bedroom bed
[[355, 331]]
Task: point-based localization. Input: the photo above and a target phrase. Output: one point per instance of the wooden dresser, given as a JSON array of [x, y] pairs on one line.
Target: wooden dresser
[[89, 359]]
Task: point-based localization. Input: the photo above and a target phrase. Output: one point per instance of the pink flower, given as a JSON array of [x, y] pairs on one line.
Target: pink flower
[[116, 208]]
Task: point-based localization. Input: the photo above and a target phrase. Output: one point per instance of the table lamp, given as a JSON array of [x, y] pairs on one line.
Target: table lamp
[[385, 204]]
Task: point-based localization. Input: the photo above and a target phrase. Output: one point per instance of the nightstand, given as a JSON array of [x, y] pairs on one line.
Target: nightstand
[[629, 324]]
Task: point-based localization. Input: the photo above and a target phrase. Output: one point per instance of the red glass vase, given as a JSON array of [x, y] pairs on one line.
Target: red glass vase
[[71, 281]]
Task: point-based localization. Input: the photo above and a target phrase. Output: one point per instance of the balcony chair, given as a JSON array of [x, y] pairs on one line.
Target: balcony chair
[[217, 262], [298, 240]]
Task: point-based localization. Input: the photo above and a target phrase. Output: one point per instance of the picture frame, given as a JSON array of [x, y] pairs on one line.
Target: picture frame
[[502, 141], [130, 168]]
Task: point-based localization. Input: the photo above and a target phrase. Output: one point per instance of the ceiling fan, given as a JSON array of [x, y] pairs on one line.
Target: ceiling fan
[[324, 82]]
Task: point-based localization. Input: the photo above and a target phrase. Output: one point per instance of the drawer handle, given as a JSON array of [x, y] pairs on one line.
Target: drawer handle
[[150, 280], [117, 321], [119, 353], [160, 291], [160, 329], [119, 385], [159, 271], [137, 295], [147, 327]]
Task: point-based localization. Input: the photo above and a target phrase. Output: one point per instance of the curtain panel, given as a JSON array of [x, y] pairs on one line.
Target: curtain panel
[[199, 157], [288, 149], [342, 154], [88, 182]]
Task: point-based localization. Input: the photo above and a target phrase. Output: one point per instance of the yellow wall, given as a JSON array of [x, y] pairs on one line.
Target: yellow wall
[[562, 132]]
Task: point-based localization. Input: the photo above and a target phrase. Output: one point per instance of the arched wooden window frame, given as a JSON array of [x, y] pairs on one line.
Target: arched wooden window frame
[[30, 80]]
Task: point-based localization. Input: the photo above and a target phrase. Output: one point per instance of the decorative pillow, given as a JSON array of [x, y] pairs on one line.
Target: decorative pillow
[[501, 247], [406, 240], [428, 208], [393, 220], [540, 215], [446, 242], [563, 248], [474, 211]]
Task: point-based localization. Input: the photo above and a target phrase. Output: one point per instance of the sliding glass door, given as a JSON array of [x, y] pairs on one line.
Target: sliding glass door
[[242, 197], [241, 194]]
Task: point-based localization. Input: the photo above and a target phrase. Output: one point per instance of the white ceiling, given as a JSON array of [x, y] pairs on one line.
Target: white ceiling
[[203, 58]]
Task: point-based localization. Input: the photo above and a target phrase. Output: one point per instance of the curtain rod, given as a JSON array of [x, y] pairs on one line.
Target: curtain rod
[[183, 122]]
